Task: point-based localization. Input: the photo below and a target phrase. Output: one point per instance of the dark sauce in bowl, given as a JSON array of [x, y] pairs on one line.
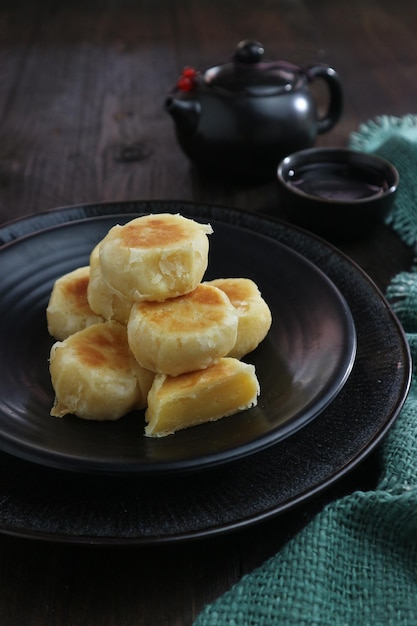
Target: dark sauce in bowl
[[337, 182], [336, 192]]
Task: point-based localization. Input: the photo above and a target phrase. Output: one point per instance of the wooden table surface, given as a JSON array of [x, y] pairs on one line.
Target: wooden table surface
[[83, 84]]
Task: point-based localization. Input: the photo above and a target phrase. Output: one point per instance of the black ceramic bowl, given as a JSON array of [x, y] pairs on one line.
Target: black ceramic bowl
[[336, 192]]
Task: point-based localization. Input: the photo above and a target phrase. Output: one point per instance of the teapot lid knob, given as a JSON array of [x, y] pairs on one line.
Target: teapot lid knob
[[248, 51]]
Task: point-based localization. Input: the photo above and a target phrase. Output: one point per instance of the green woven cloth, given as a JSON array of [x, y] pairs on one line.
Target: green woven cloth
[[355, 564]]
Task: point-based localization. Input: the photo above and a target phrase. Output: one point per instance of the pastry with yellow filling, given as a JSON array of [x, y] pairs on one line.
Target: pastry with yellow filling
[[104, 300], [155, 257], [183, 334], [95, 376], [68, 310], [254, 314], [224, 388], [138, 329]]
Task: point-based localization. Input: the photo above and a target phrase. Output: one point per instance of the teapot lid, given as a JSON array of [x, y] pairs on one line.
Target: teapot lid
[[248, 74]]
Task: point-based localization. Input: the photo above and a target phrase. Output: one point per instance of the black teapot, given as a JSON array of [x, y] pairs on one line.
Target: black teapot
[[242, 117]]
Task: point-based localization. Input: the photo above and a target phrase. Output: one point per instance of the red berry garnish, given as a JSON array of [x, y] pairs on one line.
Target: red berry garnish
[[187, 78], [189, 72], [185, 84]]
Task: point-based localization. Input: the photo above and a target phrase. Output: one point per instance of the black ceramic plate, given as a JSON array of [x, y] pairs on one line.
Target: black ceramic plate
[[65, 506], [301, 365]]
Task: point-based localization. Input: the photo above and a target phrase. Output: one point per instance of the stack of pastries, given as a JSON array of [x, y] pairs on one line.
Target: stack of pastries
[[138, 328]]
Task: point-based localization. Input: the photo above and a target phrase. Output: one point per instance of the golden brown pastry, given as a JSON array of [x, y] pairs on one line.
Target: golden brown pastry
[[224, 388], [254, 314], [95, 376], [137, 328], [183, 334], [68, 310], [155, 257], [104, 300]]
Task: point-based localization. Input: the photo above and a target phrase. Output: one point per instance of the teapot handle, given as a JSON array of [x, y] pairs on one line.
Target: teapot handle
[[335, 107]]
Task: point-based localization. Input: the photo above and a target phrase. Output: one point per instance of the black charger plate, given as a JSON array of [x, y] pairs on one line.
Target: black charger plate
[[61, 505]]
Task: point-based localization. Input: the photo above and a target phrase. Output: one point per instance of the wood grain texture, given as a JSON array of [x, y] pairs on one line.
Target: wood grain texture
[[83, 84], [83, 87]]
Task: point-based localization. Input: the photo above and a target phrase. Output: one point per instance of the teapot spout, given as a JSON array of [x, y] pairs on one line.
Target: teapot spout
[[185, 112]]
